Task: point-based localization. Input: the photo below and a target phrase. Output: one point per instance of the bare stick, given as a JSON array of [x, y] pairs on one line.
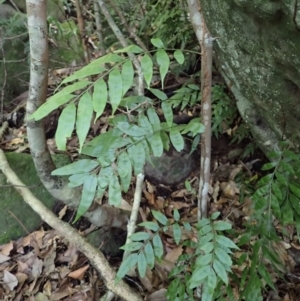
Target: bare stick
[[99, 27], [206, 42], [135, 210], [129, 29], [81, 29], [124, 43]]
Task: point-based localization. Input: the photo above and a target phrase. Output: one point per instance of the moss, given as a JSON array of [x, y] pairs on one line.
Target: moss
[[258, 51], [16, 217]]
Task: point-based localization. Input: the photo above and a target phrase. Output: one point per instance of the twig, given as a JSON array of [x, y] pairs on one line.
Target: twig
[[129, 29], [124, 43], [135, 210], [81, 29], [99, 27], [206, 42], [96, 258], [4, 79]]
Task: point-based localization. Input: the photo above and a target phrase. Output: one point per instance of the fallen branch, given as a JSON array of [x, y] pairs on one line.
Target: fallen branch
[[96, 258]]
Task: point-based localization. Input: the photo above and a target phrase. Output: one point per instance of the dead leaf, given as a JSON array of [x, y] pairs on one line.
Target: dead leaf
[[4, 258], [79, 274], [159, 295], [173, 255], [10, 280], [7, 248]]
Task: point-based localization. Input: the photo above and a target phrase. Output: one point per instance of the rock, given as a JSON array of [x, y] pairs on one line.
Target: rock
[[257, 51], [172, 167], [16, 217]]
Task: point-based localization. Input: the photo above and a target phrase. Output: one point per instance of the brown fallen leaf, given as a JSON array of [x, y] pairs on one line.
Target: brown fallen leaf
[[79, 274]]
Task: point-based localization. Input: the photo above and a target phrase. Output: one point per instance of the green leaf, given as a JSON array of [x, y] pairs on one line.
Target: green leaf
[[212, 282], [163, 61], [194, 127], [221, 225], [124, 170], [94, 67], [147, 68], [207, 248], [142, 264], [80, 166], [276, 190], [295, 202], [266, 276], [158, 93], [206, 229], [205, 239], [275, 206], [145, 124], [158, 246], [291, 155], [65, 126], [168, 112], [138, 236], [149, 255], [156, 144], [281, 179], [295, 189], [225, 242], [203, 222], [127, 76], [177, 233], [131, 48], [103, 179], [165, 140], [77, 179], [115, 86], [84, 117], [204, 260], [199, 275], [176, 139], [86, 71], [103, 143], [287, 213], [215, 215], [127, 265], [124, 164], [99, 97], [157, 43], [154, 119], [114, 192], [176, 215], [132, 246], [223, 256], [50, 105], [269, 166], [160, 217], [287, 167], [88, 194], [179, 57], [131, 129], [150, 226], [137, 155]]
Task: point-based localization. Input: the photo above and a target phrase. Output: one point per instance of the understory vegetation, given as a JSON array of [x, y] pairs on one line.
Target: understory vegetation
[[234, 253]]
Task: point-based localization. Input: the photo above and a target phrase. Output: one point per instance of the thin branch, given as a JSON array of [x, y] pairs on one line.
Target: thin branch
[[206, 42], [124, 43], [81, 30], [4, 79], [135, 210], [129, 29], [99, 27], [96, 257]]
